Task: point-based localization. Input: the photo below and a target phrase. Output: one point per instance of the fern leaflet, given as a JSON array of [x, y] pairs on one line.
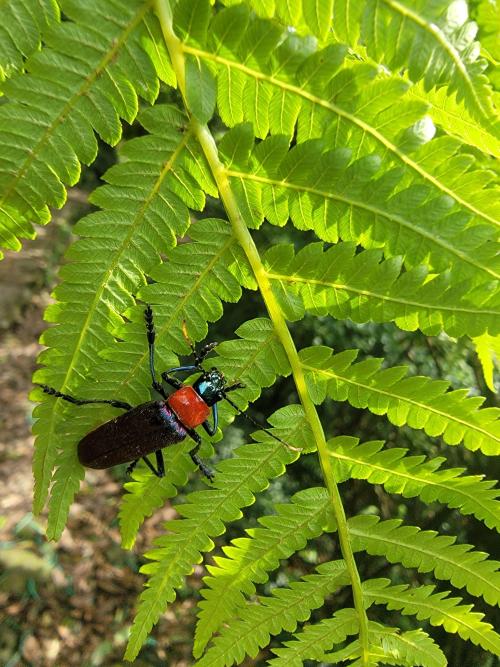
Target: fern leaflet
[[416, 401], [23, 25], [438, 607], [281, 611], [415, 476], [87, 77], [344, 284], [428, 551]]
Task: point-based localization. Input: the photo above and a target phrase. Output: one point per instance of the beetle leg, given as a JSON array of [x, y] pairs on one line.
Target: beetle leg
[[161, 468], [205, 350], [160, 463], [83, 401], [174, 382], [151, 335], [132, 466], [209, 474], [211, 429], [232, 387]]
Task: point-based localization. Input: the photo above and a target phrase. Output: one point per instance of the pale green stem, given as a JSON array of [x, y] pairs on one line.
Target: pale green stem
[[244, 238]]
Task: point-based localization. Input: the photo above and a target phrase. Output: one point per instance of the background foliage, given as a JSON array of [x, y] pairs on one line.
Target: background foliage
[[357, 142]]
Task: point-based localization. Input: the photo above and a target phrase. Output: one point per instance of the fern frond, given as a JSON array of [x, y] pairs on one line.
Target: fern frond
[[433, 41], [413, 476], [285, 84], [438, 608], [88, 75], [21, 29], [427, 551], [280, 611], [416, 401], [361, 287], [315, 640], [410, 649], [351, 156], [146, 202], [389, 647], [436, 42], [455, 120], [360, 201], [206, 513], [249, 559]]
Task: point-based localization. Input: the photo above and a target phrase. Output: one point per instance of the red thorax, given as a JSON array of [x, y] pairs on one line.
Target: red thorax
[[189, 407]]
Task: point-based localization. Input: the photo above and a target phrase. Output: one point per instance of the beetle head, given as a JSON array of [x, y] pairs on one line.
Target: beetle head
[[211, 386]]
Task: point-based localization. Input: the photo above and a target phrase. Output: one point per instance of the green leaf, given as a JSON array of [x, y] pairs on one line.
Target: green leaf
[[318, 16], [338, 198], [359, 285], [488, 352], [413, 476], [390, 647], [281, 611], [314, 640], [417, 401], [436, 42], [427, 551], [89, 73], [191, 18], [438, 608], [200, 89], [21, 31], [249, 559]]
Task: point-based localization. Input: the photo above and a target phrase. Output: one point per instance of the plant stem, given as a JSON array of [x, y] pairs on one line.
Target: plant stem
[[244, 238]]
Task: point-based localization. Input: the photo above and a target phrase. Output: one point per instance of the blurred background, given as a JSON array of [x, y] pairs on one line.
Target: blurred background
[[71, 603]]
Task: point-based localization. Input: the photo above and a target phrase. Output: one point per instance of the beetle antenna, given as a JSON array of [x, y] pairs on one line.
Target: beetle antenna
[[256, 423]]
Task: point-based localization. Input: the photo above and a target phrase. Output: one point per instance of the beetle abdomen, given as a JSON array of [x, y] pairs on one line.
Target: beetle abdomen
[[136, 433]]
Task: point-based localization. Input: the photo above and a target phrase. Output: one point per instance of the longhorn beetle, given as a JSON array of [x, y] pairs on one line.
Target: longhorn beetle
[[151, 426]]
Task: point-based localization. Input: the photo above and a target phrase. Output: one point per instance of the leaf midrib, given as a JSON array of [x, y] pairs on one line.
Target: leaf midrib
[[295, 278]]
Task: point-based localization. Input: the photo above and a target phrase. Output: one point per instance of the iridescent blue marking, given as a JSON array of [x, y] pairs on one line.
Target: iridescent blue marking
[[172, 420], [201, 387]]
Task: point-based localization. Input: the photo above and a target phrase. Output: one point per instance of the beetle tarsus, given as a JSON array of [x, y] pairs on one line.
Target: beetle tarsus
[[131, 467], [171, 380], [200, 356], [209, 474]]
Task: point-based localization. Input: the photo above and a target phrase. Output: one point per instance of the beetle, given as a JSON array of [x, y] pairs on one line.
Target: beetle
[[147, 428]]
